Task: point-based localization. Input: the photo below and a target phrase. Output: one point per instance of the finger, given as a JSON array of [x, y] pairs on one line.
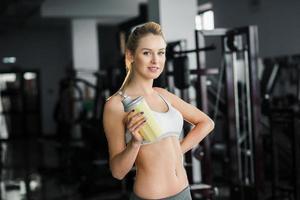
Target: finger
[[129, 116], [137, 117], [131, 113], [137, 134], [134, 124], [138, 125]]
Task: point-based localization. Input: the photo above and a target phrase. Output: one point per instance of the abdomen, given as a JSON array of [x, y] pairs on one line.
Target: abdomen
[[160, 172]]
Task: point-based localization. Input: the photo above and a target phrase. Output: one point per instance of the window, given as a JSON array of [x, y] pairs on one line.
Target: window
[[205, 18]]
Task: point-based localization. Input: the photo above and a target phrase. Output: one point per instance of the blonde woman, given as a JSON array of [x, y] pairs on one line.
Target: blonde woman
[[160, 173]]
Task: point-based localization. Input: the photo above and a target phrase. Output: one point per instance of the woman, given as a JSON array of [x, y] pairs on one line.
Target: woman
[[160, 173]]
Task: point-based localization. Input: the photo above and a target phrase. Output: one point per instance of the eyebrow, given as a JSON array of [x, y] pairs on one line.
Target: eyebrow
[[151, 49]]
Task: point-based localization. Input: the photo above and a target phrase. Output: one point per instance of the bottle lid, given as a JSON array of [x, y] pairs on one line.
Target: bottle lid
[[126, 101], [130, 104]]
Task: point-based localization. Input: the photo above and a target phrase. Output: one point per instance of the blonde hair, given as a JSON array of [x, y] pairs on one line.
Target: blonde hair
[[133, 42]]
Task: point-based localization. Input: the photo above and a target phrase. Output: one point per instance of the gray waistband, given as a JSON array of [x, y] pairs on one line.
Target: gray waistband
[[185, 194]]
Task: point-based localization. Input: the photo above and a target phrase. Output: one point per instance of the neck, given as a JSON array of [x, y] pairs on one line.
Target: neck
[[139, 87]]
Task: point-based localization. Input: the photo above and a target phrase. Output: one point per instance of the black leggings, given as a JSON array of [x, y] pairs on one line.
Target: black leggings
[[185, 194]]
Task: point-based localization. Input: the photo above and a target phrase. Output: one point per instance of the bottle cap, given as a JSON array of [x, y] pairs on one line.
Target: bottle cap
[[126, 101], [129, 103]]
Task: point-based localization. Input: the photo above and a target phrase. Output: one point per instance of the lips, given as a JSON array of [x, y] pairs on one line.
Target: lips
[[153, 69]]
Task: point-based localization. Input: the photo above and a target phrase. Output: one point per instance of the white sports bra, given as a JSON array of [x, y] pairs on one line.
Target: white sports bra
[[171, 123]]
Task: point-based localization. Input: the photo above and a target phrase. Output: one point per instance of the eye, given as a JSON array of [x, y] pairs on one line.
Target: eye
[[161, 53], [146, 53]]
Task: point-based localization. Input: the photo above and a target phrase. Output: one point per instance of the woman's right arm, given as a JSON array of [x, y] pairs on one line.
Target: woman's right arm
[[121, 157]]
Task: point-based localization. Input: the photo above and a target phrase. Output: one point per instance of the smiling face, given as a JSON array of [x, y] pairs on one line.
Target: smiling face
[[149, 57]]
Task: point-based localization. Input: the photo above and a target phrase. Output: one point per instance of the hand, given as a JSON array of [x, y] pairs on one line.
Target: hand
[[134, 122]]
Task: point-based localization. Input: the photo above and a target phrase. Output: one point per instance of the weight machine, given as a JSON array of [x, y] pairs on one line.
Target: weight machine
[[281, 95], [238, 73]]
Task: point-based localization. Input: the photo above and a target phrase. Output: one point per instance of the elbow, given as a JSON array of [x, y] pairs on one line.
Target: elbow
[[211, 125], [117, 174], [116, 171]]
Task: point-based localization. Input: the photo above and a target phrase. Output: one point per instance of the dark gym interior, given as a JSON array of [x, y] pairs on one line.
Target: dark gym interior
[[238, 61]]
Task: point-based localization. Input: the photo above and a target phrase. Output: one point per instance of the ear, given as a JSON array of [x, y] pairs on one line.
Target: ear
[[129, 55]]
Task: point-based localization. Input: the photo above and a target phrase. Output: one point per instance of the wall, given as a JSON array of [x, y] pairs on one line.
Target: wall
[[277, 22], [109, 9], [47, 50]]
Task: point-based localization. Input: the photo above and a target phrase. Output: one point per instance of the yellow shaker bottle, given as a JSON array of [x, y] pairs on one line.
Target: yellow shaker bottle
[[151, 130]]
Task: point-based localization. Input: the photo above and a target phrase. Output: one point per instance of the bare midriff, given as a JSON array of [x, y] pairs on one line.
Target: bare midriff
[[160, 171]]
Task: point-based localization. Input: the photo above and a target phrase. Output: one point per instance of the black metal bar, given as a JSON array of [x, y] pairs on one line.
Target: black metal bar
[[298, 83], [297, 157], [201, 72], [203, 104], [39, 104], [252, 37], [187, 127], [231, 119], [207, 71], [23, 110], [274, 160], [197, 47], [207, 48]]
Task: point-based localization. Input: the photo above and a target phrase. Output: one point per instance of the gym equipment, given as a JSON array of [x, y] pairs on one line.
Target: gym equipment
[[82, 159], [243, 146], [20, 119], [280, 91], [284, 142], [181, 74], [242, 89]]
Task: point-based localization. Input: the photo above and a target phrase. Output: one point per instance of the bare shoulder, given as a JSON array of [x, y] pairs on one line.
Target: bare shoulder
[[113, 106], [162, 91], [166, 94]]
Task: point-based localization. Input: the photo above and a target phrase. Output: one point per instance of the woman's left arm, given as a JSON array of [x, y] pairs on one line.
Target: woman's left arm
[[203, 124]]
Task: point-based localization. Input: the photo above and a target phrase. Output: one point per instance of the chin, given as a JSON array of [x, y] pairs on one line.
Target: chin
[[154, 76]]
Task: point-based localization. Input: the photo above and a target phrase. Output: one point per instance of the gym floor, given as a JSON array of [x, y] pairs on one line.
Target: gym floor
[[48, 169], [51, 170]]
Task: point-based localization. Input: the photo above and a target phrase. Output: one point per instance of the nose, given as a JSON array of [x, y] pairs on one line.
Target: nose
[[154, 58]]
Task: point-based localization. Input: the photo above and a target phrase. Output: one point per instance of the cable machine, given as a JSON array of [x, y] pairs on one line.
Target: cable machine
[[281, 95], [240, 49], [241, 91]]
